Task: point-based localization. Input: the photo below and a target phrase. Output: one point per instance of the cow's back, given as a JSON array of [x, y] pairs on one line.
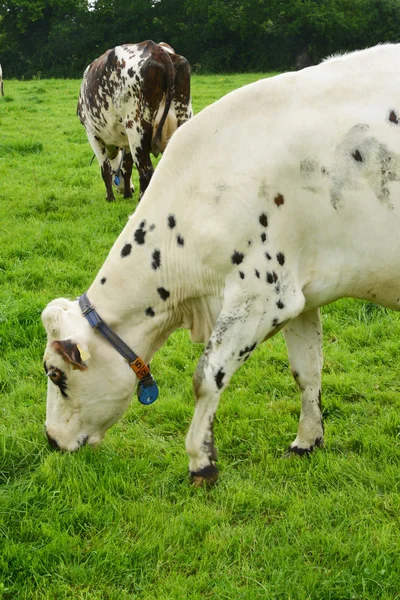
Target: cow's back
[[123, 89]]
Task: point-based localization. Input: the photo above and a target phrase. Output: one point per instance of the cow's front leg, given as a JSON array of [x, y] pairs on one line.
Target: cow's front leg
[[236, 329], [303, 338], [240, 327]]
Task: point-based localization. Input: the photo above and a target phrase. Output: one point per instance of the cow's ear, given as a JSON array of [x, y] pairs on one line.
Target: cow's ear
[[72, 353]]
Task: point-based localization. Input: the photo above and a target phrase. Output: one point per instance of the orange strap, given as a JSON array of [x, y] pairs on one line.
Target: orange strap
[[140, 368]]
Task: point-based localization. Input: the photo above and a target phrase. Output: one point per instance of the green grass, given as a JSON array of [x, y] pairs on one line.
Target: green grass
[[122, 521]]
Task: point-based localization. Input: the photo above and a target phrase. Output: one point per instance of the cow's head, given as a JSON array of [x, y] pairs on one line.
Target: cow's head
[[89, 384], [121, 167]]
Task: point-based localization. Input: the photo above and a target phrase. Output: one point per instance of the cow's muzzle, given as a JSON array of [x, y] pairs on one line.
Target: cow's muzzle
[[53, 443]]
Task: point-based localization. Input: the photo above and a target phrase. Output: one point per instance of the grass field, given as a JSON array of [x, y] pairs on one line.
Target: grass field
[[122, 521]]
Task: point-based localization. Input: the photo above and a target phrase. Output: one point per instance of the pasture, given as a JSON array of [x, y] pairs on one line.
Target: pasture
[[122, 521]]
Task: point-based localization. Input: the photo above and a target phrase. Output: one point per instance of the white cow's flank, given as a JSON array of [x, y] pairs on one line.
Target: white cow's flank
[[279, 198]]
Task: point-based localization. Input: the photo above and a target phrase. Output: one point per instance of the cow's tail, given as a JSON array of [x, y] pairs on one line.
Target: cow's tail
[[170, 71]]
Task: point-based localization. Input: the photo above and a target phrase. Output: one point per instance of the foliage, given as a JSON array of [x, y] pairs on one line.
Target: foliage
[[122, 522], [60, 37]]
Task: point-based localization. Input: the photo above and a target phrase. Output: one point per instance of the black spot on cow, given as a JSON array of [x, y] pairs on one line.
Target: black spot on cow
[[247, 349], [325, 172], [274, 276], [103, 280], [130, 72], [156, 262], [257, 273], [208, 443], [280, 304], [263, 236], [275, 322], [163, 293], [126, 250], [263, 220], [249, 243], [393, 117], [171, 221], [149, 312], [152, 227], [237, 257], [280, 258], [180, 240], [270, 278], [219, 378], [357, 156], [335, 198], [140, 234], [241, 275], [268, 256], [279, 200]]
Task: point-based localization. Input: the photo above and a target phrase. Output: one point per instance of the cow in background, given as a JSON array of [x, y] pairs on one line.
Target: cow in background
[[132, 99], [1, 82]]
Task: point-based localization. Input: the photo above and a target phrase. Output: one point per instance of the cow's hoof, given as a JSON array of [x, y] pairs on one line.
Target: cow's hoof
[[111, 199], [297, 451], [205, 477]]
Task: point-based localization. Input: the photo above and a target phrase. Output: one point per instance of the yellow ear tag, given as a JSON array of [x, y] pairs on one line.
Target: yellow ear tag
[[84, 354]]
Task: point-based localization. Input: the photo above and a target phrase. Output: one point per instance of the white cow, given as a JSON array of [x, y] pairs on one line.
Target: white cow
[[279, 198], [1, 82]]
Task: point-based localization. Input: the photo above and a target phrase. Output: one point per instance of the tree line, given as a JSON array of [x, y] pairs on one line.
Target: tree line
[[59, 38]]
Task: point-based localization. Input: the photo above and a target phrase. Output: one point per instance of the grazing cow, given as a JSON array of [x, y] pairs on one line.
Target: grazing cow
[[281, 197], [132, 99], [1, 82]]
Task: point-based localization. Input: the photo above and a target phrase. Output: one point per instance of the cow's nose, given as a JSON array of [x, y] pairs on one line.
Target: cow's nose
[[53, 443]]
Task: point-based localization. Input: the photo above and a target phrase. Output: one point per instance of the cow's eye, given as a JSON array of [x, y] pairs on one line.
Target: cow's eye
[[55, 375], [59, 379]]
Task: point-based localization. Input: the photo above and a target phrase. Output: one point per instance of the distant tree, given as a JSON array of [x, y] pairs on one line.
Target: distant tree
[[59, 38], [42, 36]]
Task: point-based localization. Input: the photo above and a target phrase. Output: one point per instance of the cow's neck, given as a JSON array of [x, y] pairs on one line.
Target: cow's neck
[[149, 285]]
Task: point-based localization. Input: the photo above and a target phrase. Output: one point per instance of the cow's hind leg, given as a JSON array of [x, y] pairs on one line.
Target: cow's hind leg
[[240, 327], [127, 175], [303, 338], [140, 143], [145, 168], [100, 151]]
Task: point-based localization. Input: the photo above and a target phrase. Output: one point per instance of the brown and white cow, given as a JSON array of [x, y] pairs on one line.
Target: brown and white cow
[[281, 197], [1, 82], [132, 99]]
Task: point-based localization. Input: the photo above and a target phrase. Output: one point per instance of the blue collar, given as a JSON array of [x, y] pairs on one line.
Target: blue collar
[[147, 388]]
